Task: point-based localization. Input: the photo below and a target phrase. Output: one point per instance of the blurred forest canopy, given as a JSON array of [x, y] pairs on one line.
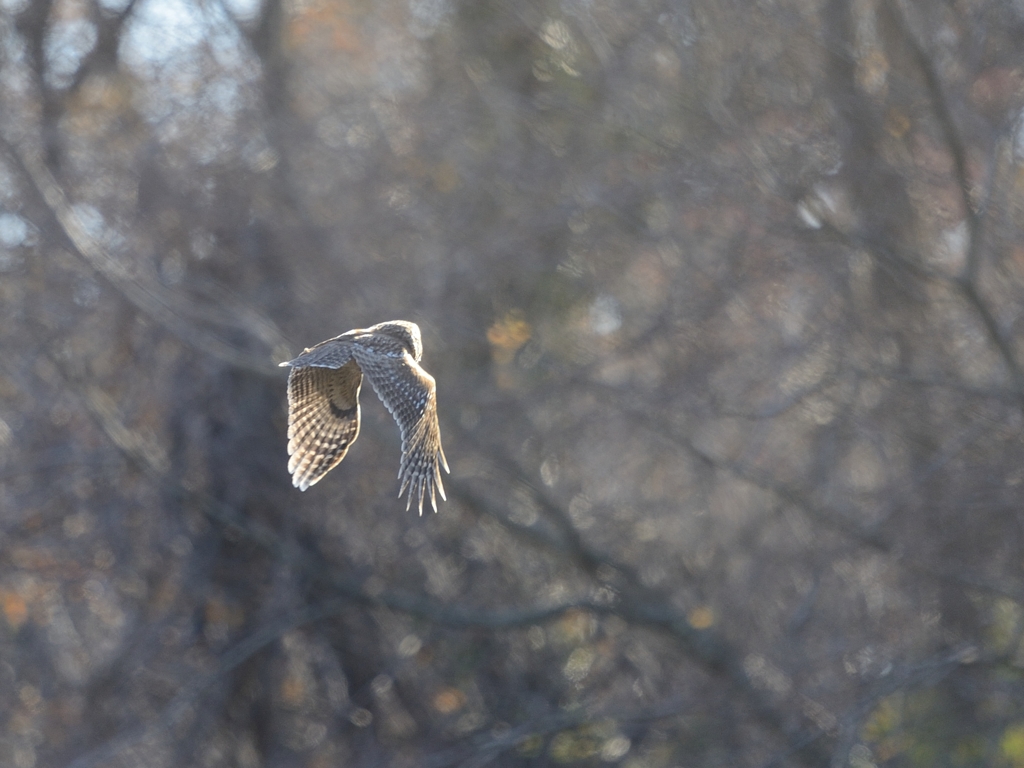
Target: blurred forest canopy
[[725, 305]]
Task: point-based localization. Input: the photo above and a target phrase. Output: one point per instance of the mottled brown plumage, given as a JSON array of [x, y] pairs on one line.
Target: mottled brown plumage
[[323, 405]]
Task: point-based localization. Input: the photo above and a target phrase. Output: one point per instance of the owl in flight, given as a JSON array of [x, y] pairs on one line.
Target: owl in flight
[[323, 405]]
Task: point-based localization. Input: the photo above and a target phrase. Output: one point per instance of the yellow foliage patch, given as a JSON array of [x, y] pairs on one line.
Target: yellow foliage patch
[[1012, 744], [508, 334], [701, 617]]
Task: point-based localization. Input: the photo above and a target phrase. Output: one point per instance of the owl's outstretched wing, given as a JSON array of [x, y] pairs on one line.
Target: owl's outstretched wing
[[323, 418], [410, 394]]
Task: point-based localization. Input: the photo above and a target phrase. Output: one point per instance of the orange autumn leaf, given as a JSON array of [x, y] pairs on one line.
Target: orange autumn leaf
[[449, 700], [14, 607]]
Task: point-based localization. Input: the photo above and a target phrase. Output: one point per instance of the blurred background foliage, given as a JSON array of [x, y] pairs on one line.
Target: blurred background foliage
[[724, 303]]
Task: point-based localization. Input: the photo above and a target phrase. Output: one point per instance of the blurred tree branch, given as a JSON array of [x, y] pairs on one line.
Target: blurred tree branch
[[175, 312]]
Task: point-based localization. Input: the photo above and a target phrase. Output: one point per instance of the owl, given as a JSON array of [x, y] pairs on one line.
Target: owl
[[323, 405]]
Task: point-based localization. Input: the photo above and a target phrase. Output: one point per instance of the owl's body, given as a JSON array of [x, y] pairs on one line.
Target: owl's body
[[323, 405]]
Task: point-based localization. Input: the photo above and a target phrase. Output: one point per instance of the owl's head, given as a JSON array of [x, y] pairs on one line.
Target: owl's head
[[406, 332]]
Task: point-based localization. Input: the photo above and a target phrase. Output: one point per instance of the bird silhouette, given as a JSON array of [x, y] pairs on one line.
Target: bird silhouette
[[323, 405]]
